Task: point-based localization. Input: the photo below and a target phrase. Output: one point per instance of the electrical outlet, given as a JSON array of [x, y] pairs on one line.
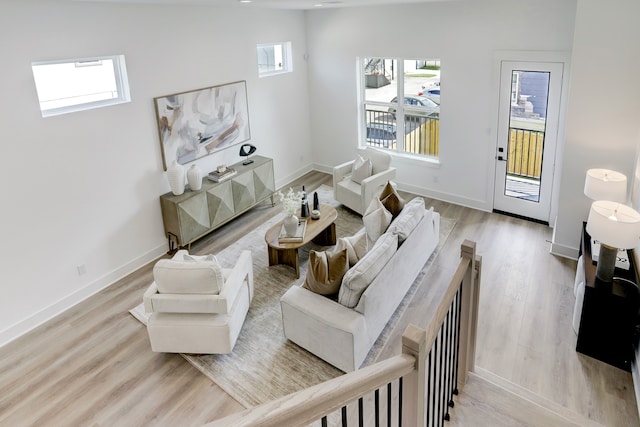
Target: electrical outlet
[[82, 269]]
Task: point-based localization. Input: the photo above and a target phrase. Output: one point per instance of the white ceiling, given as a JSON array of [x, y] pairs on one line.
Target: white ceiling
[[275, 4]]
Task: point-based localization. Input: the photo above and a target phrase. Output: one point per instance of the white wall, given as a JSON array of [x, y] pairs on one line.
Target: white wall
[[83, 188], [465, 35], [602, 129]]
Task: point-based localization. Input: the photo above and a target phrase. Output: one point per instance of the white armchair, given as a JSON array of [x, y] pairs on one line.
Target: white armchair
[[196, 306], [356, 196]]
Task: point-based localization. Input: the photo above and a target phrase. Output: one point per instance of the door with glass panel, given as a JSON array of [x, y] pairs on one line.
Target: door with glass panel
[[527, 136]]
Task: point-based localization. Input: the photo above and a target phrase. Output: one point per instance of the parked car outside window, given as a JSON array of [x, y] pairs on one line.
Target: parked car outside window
[[428, 107], [381, 134], [431, 93]]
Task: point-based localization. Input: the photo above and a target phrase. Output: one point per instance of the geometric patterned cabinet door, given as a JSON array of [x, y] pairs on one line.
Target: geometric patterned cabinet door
[[193, 214]]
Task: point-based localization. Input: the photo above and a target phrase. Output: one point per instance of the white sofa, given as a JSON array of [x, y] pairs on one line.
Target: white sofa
[[341, 335]]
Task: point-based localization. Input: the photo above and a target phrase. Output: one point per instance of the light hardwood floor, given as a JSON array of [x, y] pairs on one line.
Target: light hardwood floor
[[92, 365]]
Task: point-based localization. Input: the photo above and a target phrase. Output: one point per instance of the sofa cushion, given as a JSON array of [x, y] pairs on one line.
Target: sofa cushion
[[380, 161], [376, 219], [355, 245], [391, 199], [174, 276], [361, 169], [325, 271], [360, 276], [407, 220]]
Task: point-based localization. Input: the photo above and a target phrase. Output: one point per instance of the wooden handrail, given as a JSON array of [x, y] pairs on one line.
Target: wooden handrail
[[311, 404]]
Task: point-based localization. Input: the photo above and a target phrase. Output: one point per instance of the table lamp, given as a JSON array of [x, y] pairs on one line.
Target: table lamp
[[605, 184], [616, 226]]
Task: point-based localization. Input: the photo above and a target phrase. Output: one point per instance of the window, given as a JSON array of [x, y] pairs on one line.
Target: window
[[65, 86], [274, 58], [401, 97]]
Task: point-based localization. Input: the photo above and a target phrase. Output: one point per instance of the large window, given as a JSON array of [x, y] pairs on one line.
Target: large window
[[274, 58], [401, 104], [65, 86]]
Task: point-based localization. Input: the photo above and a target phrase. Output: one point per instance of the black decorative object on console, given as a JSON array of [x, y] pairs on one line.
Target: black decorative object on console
[[245, 151], [316, 203], [304, 209]]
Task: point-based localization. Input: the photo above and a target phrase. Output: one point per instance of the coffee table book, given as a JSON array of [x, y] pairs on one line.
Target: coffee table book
[[219, 177], [302, 226]]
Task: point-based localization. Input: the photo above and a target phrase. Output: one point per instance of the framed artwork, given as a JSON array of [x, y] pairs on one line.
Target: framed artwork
[[197, 123]]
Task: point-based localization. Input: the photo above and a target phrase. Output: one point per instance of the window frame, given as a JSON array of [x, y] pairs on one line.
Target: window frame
[[119, 76], [400, 109], [286, 64]]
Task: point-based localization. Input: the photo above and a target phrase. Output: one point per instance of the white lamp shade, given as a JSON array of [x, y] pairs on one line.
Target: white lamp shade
[[614, 224], [604, 184]]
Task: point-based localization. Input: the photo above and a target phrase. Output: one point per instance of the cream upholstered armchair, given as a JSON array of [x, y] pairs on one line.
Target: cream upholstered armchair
[[357, 181], [196, 305]]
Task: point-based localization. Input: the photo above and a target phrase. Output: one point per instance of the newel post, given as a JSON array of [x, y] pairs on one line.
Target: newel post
[[413, 390], [469, 314]]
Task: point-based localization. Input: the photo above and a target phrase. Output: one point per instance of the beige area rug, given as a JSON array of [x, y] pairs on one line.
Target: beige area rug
[[264, 365]]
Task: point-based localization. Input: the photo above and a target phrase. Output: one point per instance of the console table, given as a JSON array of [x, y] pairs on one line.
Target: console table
[[609, 312], [193, 214]]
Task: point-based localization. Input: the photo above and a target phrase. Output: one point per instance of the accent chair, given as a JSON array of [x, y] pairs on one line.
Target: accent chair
[[357, 181], [196, 305]]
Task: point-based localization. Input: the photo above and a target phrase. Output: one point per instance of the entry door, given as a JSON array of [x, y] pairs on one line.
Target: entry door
[[527, 136]]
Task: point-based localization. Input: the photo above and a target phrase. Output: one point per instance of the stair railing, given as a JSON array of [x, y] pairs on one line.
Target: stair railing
[[419, 384]]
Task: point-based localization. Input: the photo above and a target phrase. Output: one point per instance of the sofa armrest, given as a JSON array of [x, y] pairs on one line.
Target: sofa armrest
[[241, 273], [147, 298], [331, 331], [339, 173]]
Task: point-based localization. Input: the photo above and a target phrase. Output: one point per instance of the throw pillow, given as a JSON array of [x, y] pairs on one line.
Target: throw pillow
[[361, 169], [409, 218], [325, 271], [355, 245], [376, 219], [391, 199], [358, 278]]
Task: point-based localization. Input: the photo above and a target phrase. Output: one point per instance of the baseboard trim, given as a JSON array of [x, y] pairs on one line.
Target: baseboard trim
[[535, 399], [564, 251], [24, 326]]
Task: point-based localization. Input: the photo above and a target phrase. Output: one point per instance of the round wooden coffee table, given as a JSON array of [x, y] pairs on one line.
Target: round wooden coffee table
[[321, 231]]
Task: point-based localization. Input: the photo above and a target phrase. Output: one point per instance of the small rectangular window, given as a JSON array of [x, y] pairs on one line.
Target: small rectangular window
[[65, 86], [274, 58]]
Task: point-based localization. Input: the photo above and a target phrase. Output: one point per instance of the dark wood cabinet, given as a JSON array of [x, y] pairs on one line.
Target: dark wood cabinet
[[609, 312]]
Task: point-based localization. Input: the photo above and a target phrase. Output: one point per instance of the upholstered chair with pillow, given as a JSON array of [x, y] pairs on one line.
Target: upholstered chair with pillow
[[196, 305], [357, 181]]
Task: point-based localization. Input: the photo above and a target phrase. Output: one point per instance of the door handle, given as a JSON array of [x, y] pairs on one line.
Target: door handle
[[502, 159]]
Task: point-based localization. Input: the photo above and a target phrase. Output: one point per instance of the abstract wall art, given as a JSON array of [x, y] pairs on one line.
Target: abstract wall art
[[197, 123]]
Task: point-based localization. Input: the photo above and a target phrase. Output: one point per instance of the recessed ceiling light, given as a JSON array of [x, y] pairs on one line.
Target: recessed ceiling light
[[245, 1]]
